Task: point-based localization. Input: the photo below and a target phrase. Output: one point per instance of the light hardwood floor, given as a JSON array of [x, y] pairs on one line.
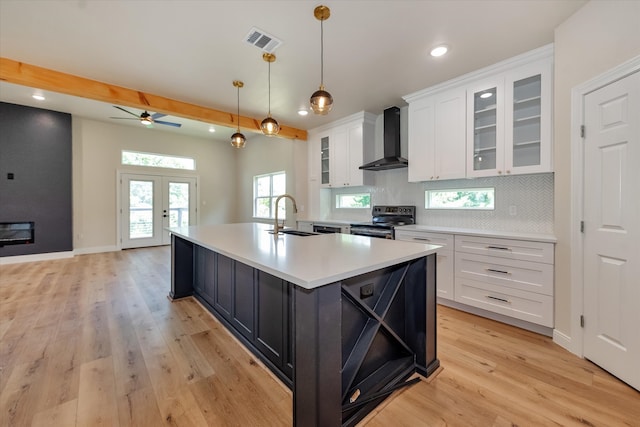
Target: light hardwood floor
[[93, 341]]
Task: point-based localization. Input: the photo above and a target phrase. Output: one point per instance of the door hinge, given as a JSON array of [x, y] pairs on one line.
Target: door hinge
[[582, 131], [582, 321], [582, 226]]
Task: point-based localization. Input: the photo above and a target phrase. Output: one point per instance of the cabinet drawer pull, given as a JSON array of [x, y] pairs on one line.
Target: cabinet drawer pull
[[500, 248], [493, 270], [422, 239], [498, 299]]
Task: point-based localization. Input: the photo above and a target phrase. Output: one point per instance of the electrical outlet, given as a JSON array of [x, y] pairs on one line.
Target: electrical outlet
[[366, 290]]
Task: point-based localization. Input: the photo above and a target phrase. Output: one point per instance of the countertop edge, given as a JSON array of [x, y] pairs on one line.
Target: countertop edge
[[545, 238]]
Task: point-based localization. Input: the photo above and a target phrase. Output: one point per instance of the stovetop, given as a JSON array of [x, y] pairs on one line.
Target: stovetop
[[390, 216]]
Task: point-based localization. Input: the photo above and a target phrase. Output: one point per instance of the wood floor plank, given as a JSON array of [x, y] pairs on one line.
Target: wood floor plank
[[93, 340], [97, 405]]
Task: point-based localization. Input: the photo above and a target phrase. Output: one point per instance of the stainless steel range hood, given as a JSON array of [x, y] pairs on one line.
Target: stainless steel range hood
[[391, 144]]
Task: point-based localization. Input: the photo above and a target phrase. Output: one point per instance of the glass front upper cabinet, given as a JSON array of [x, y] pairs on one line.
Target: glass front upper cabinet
[[526, 138], [324, 160], [484, 129]]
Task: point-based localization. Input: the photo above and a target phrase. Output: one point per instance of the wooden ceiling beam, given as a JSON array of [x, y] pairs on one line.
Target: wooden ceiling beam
[[42, 78]]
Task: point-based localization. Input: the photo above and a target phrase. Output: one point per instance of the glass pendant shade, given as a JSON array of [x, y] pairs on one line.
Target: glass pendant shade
[[237, 139], [270, 126], [321, 101]]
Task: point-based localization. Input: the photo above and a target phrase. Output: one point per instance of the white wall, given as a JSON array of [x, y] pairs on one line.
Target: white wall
[[97, 150], [264, 155], [596, 38]]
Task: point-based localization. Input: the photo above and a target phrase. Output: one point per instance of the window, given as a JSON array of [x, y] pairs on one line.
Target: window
[[266, 188], [353, 201], [474, 198], [157, 160]]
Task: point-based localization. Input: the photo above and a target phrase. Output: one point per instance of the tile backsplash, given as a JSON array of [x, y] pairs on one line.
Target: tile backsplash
[[523, 203]]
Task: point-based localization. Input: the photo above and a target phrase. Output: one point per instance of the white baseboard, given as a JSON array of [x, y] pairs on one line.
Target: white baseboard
[[564, 341], [35, 257], [95, 250]]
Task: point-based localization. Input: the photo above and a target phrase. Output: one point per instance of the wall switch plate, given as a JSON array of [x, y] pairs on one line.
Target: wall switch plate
[[10, 175], [366, 290], [513, 210]]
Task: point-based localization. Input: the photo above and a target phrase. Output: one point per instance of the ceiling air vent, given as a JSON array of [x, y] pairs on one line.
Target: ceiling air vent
[[262, 40]]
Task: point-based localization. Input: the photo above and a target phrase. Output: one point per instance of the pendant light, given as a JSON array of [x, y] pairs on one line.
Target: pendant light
[[237, 139], [269, 125], [321, 100]]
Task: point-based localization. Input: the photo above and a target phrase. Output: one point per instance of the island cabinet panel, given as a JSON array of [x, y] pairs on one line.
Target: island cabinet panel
[[223, 286], [243, 310], [272, 317]]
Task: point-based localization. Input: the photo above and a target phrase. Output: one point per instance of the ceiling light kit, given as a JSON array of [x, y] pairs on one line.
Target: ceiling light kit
[[269, 125], [321, 100], [237, 139], [145, 118]]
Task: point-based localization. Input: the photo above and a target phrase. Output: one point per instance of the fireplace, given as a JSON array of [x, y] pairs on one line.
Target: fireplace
[[17, 233]]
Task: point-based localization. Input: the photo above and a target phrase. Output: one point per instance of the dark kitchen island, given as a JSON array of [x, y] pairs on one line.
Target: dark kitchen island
[[343, 320]]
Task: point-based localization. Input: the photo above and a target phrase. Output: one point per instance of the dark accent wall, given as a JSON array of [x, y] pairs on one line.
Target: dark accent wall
[[35, 176]]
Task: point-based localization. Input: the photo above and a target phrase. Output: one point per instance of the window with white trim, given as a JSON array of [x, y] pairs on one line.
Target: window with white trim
[[157, 160], [467, 198], [353, 201], [266, 189]]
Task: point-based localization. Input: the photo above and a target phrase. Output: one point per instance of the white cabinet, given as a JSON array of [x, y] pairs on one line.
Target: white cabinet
[[436, 136], [444, 257], [343, 147], [509, 277], [509, 122]]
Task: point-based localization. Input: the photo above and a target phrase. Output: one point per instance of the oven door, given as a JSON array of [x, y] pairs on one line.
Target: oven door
[[380, 232]]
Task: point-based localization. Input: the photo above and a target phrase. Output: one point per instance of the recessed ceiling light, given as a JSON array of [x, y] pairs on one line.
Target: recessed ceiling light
[[303, 112], [38, 97], [439, 50], [212, 129], [486, 95]]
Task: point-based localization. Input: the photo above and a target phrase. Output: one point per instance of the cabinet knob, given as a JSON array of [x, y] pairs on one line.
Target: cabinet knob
[[438, 177], [508, 171], [431, 177], [499, 172]]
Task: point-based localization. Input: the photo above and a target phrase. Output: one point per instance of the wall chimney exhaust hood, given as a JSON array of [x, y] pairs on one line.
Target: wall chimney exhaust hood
[[391, 144]]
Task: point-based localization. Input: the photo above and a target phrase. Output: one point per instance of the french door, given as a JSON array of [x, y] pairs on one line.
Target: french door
[[150, 203]]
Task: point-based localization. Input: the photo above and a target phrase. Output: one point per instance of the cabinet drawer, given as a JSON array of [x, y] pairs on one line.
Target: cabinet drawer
[[516, 274], [506, 248], [444, 240], [528, 306]]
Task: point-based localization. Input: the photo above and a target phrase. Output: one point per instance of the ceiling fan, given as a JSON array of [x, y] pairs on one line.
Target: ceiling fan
[[146, 118]]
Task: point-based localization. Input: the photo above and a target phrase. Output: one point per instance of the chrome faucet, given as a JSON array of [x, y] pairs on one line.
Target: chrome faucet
[[276, 227]]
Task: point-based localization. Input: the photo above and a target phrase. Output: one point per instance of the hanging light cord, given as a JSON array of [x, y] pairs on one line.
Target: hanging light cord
[[238, 109], [269, 89], [321, 54]]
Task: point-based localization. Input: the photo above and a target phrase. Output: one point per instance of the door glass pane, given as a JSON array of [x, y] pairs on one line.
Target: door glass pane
[[484, 129], [140, 209], [178, 204], [526, 121]]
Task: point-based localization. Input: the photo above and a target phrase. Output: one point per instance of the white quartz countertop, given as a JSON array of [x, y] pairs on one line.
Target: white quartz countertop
[[484, 233], [309, 261]]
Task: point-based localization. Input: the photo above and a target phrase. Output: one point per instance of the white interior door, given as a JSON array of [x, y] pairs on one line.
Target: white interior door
[[612, 228], [150, 203]]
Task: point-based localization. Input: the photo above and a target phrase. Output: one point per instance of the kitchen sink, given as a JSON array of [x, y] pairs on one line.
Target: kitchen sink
[[299, 233], [296, 232]]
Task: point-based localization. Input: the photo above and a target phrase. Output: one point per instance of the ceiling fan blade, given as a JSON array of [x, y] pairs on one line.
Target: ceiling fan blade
[[125, 118], [157, 116], [160, 122], [126, 111]]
